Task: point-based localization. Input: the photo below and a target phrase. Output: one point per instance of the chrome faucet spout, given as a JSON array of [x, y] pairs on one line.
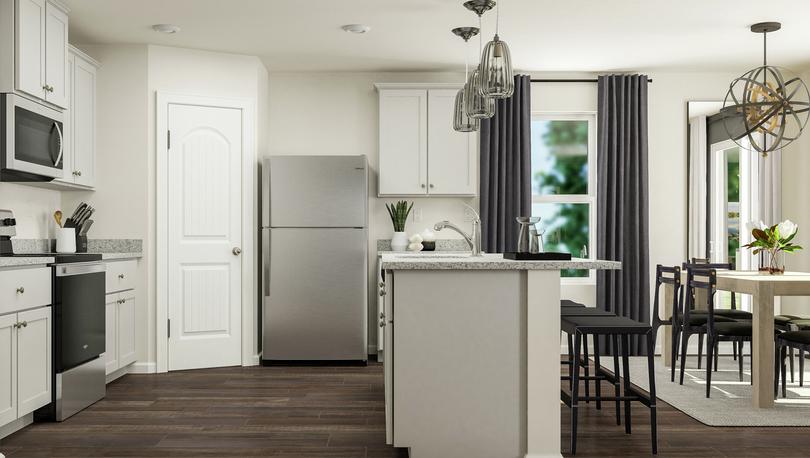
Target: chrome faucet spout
[[473, 240]]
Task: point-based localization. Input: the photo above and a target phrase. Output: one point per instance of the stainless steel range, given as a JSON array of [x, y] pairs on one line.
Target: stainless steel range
[[78, 285]]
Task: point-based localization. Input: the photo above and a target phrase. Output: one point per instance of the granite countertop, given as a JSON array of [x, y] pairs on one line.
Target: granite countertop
[[11, 261], [116, 256], [447, 261]]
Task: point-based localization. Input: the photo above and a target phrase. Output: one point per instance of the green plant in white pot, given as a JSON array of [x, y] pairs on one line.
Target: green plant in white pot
[[399, 216]]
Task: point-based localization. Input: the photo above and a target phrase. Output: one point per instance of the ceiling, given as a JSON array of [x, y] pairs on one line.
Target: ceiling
[[414, 35]]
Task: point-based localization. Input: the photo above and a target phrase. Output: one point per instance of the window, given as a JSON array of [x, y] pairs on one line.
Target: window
[[564, 183]]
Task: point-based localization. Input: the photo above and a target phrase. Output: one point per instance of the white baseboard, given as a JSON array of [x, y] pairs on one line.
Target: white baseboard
[[149, 367], [16, 425], [253, 360], [119, 373]]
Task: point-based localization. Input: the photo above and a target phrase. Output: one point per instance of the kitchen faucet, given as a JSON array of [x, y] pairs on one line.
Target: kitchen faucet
[[474, 239]]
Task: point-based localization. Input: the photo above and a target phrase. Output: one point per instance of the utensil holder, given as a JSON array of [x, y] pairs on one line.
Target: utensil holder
[[81, 243], [65, 240]]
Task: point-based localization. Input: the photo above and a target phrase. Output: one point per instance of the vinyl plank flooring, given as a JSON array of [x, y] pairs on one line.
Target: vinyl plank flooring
[[329, 412]]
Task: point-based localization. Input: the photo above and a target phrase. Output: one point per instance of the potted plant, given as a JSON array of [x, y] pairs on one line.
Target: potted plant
[[399, 216], [774, 241]]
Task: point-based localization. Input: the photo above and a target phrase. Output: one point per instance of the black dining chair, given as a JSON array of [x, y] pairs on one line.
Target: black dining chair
[[665, 275]]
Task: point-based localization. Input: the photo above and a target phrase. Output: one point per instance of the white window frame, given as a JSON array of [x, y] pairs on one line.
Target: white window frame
[[589, 198]]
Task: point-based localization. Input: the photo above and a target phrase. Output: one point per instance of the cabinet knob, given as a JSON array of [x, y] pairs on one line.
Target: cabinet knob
[[382, 316], [21, 290], [236, 251], [16, 325], [382, 323], [121, 276], [75, 173], [24, 324], [382, 285], [431, 186], [79, 173], [423, 185], [382, 292]]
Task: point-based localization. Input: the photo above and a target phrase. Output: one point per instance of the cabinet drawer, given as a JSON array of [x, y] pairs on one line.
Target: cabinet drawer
[[24, 289], [121, 275]]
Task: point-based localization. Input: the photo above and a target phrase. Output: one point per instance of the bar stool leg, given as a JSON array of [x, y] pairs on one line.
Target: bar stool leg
[[626, 378], [709, 359], [575, 393], [782, 356], [700, 349], [716, 354], [586, 364], [734, 350], [791, 364], [615, 347], [684, 342], [801, 367], [570, 360], [596, 371], [651, 372], [740, 361], [676, 339]]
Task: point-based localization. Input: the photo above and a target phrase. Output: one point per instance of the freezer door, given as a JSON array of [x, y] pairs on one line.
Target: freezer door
[[318, 294], [318, 191]]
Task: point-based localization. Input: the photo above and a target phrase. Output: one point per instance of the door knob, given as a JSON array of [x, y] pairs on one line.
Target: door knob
[[20, 290], [236, 251]]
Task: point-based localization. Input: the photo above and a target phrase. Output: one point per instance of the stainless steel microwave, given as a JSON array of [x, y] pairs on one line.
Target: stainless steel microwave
[[31, 140]]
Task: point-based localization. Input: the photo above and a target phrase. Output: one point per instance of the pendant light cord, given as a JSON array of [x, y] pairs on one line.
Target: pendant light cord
[[497, 17], [765, 49], [480, 43]]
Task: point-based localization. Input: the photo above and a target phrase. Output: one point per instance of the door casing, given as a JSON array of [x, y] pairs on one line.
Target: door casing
[[249, 256]]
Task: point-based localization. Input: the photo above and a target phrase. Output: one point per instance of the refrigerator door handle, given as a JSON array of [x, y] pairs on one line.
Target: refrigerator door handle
[[266, 261]]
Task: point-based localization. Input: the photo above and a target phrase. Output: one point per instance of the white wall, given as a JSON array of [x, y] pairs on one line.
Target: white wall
[[796, 207], [33, 209]]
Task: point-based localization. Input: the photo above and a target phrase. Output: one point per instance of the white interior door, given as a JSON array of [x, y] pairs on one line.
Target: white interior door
[[204, 236]]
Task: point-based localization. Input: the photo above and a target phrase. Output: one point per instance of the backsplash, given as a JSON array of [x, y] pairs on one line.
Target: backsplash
[[441, 245], [22, 246]]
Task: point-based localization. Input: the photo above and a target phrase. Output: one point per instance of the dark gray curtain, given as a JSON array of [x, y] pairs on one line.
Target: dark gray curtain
[[505, 171], [622, 199]]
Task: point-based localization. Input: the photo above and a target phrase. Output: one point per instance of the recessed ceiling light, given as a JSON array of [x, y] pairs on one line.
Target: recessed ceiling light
[[356, 28], [166, 28]]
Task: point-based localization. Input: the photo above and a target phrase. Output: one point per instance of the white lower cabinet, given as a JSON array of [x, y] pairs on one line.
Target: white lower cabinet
[[33, 360], [120, 349], [25, 363]]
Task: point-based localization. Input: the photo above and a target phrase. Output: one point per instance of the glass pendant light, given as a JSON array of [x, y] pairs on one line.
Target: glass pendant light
[[462, 122], [497, 74], [476, 105]]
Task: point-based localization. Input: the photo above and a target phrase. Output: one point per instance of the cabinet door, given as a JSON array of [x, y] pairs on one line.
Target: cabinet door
[[33, 360], [30, 51], [126, 331], [388, 358], [111, 329], [67, 143], [403, 142], [451, 154], [8, 368], [84, 122], [56, 41]]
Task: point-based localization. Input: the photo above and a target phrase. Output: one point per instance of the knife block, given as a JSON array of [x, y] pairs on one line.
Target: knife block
[[81, 243]]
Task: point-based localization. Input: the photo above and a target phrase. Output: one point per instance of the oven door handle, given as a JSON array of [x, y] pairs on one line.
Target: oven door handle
[[61, 146], [69, 270]]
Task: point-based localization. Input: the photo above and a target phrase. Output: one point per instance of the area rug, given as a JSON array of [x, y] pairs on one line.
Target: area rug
[[730, 402]]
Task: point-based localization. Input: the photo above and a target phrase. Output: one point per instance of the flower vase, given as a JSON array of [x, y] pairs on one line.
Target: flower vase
[[776, 264], [399, 242]]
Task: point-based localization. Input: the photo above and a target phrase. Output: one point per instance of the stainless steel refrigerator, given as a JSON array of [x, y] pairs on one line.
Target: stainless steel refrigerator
[[315, 258]]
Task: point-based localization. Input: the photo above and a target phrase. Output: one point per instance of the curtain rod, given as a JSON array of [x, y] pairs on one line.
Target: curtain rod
[[543, 80]]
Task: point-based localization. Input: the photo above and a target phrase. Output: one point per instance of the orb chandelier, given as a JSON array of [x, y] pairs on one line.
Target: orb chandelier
[[461, 121], [767, 107], [497, 74], [476, 104]]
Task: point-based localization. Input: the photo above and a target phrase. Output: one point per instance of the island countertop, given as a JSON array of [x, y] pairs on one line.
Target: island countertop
[[464, 261]]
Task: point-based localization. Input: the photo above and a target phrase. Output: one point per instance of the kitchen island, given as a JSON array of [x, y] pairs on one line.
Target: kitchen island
[[472, 354]]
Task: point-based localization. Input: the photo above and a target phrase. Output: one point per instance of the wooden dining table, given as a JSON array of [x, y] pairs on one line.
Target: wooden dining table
[[763, 288]]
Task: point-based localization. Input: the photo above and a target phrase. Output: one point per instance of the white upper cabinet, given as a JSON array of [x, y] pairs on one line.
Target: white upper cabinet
[[403, 142], [41, 37], [79, 154], [56, 43], [451, 154], [420, 153]]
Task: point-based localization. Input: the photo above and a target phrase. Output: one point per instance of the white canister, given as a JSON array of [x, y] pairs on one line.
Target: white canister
[[399, 242], [65, 240]]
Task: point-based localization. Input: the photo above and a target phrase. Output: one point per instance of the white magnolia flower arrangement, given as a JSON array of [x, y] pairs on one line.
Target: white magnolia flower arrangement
[[774, 239]]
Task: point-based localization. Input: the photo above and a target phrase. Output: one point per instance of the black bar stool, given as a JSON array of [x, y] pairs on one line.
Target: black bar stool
[[599, 374], [621, 327]]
